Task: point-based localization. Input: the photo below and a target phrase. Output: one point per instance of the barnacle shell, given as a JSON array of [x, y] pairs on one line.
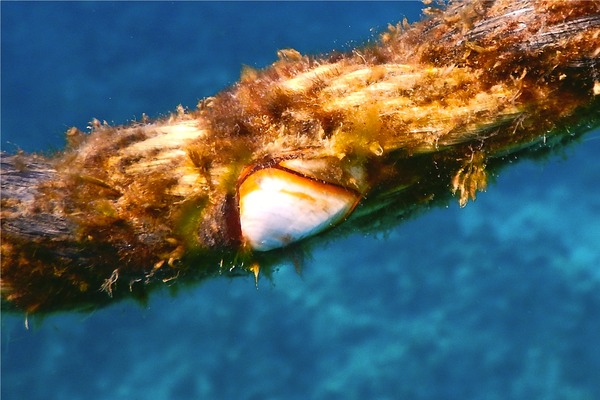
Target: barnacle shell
[[279, 206]]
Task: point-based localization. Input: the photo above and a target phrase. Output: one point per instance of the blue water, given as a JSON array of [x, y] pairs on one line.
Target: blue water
[[499, 300]]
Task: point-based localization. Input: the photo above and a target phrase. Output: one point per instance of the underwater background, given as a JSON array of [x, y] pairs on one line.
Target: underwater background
[[499, 300]]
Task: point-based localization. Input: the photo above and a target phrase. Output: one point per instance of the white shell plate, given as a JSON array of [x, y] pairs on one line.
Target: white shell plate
[[278, 207]]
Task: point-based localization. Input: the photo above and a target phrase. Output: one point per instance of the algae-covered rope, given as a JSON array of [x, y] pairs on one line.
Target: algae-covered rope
[[306, 149]]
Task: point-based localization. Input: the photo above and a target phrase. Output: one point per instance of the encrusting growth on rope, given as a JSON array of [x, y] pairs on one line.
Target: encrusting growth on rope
[[306, 149]]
